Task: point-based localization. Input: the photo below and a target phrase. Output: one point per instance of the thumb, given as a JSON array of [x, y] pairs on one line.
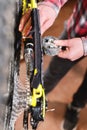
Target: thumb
[[64, 54]]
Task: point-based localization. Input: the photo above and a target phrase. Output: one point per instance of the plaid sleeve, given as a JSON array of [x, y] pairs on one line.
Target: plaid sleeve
[[77, 22]]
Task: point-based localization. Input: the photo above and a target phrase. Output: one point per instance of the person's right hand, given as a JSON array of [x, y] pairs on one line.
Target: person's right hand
[[47, 17], [74, 48]]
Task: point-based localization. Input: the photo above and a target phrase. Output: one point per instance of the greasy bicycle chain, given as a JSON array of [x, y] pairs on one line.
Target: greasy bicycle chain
[[28, 56]]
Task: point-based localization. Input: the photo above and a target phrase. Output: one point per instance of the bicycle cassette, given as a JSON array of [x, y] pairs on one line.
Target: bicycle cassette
[[49, 47]]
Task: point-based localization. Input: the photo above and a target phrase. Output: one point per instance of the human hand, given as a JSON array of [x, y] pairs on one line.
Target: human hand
[[25, 23], [74, 48], [47, 17]]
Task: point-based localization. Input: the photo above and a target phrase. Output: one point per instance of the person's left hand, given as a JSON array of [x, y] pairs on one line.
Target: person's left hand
[[74, 48]]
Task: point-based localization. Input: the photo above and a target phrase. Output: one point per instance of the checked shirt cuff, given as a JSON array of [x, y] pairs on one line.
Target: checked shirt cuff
[[84, 42]]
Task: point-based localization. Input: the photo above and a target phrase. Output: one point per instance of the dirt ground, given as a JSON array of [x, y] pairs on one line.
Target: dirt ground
[[62, 94]]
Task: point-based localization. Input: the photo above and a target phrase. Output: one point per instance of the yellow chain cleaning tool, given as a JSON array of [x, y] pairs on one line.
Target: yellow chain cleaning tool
[[36, 99], [25, 6]]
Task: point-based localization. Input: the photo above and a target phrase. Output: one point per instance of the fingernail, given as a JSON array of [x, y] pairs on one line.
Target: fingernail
[[20, 27]]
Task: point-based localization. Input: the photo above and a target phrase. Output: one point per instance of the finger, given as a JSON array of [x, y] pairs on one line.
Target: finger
[[42, 25], [64, 54], [27, 28], [45, 26], [24, 19]]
